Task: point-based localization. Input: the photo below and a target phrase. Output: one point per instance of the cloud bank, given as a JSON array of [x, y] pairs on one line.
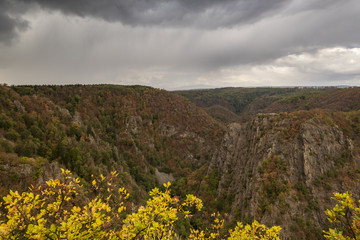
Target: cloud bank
[[180, 44]]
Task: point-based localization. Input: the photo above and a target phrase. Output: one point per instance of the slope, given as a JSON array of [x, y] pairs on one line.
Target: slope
[[137, 131], [249, 101], [282, 169]]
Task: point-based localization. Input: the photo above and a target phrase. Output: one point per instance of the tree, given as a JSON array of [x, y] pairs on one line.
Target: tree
[[61, 209], [49, 212], [346, 215], [254, 231]]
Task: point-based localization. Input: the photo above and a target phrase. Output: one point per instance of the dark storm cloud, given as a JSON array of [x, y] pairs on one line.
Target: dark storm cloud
[[177, 43], [9, 25], [197, 13]]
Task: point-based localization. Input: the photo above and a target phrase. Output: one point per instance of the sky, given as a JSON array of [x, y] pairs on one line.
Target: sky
[[180, 44]]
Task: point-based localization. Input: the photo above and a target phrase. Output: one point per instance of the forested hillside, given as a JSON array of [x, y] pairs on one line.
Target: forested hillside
[[265, 154], [143, 133], [286, 150], [229, 104]]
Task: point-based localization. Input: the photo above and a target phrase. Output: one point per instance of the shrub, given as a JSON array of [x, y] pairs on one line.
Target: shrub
[[59, 210]]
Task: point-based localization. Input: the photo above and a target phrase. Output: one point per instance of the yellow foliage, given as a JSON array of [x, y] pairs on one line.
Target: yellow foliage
[[254, 231], [58, 211], [347, 212]]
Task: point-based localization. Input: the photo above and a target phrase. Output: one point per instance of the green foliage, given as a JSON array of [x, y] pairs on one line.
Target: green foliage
[[5, 122], [12, 135], [75, 130], [272, 172], [210, 184], [24, 90], [301, 188], [224, 103], [106, 127], [6, 146]]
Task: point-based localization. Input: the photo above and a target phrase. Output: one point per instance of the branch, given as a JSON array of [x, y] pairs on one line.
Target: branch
[[349, 223]]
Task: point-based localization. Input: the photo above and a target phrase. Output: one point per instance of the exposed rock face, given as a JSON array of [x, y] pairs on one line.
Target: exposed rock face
[[281, 171], [133, 123], [19, 176], [77, 118], [50, 171], [163, 177], [19, 106]]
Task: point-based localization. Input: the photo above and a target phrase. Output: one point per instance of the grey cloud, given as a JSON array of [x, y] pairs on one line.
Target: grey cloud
[[305, 31], [206, 14], [9, 25], [175, 43], [203, 14]]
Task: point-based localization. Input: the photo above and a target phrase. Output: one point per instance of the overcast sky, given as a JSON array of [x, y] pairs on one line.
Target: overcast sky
[[180, 44]]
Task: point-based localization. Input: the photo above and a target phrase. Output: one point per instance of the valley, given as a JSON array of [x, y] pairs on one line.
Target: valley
[[275, 155]]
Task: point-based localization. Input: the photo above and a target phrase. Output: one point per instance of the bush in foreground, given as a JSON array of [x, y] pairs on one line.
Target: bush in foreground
[[61, 210]]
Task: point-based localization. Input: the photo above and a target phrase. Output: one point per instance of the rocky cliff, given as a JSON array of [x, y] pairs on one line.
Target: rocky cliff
[[281, 169]]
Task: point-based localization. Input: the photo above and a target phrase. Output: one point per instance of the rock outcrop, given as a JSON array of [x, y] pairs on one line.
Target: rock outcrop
[[282, 170]]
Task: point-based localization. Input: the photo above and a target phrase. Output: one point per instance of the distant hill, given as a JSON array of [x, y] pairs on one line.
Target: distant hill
[[249, 101]]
